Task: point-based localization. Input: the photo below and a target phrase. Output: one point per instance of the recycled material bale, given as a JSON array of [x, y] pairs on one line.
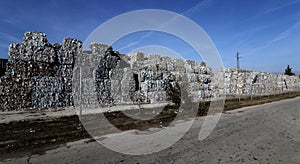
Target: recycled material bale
[[40, 75]]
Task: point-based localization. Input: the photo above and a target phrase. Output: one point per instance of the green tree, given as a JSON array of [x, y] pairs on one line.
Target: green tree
[[288, 71]]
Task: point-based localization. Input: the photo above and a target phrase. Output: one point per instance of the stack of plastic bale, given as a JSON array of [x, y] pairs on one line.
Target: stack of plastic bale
[[266, 77], [36, 72], [293, 83], [84, 87], [234, 81], [165, 61], [255, 83], [288, 82], [23, 87], [219, 84], [272, 82], [137, 63], [264, 83], [173, 90], [208, 85], [285, 88], [136, 57], [42, 64], [43, 55], [297, 84], [257, 86], [12, 92], [67, 54], [112, 59], [178, 65], [250, 81], [198, 70], [241, 79], [282, 85], [154, 70], [84, 82], [193, 88], [116, 75], [170, 66], [228, 74], [207, 72], [22, 66], [108, 60], [127, 86], [228, 77], [138, 68], [17, 92], [200, 78], [145, 80], [5, 93], [46, 92], [147, 76]]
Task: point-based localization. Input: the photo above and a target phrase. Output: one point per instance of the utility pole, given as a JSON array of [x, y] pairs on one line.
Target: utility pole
[[238, 60], [238, 67]]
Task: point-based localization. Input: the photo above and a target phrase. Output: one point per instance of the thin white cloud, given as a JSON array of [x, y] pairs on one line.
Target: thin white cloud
[[277, 38], [11, 20], [286, 33], [136, 42], [128, 45], [271, 10], [9, 38], [201, 5], [281, 6], [192, 10]]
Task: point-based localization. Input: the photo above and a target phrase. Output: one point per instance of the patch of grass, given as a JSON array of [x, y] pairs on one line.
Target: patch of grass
[[234, 103]]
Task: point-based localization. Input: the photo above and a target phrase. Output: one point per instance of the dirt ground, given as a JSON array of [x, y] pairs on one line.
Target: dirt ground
[[32, 135]]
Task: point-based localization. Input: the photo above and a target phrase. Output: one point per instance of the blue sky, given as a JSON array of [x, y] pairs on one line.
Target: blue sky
[[265, 32]]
